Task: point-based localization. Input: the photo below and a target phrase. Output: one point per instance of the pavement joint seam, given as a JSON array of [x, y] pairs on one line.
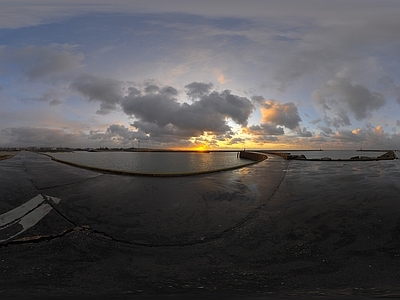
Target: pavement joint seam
[[47, 199], [202, 240], [55, 186], [205, 240], [66, 184], [106, 236], [255, 211]]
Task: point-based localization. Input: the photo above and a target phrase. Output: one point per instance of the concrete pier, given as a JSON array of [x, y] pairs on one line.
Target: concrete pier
[[252, 155], [278, 228]]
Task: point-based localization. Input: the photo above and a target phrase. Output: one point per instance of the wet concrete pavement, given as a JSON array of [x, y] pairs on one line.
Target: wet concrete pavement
[[275, 228]]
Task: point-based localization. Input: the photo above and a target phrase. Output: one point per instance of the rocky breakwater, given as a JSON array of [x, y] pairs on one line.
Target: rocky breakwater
[[386, 156], [389, 155]]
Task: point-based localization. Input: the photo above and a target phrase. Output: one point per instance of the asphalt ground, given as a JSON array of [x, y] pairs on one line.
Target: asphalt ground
[[258, 232]]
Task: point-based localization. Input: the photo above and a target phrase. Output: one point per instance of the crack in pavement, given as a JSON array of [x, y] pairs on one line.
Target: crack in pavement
[[55, 186], [66, 184], [87, 228]]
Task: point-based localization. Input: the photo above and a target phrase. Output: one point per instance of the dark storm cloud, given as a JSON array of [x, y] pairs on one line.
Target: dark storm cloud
[[43, 61], [119, 130], [116, 133], [228, 105], [104, 90], [207, 113], [151, 108], [168, 132], [157, 109], [41, 137]]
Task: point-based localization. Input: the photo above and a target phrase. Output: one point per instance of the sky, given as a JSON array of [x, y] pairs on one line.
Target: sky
[[210, 74]]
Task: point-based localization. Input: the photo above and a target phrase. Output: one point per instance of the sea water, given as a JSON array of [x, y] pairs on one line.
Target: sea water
[[155, 162]]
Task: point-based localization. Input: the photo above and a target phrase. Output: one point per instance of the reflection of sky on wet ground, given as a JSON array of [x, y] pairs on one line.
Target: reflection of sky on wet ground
[[345, 206], [343, 182]]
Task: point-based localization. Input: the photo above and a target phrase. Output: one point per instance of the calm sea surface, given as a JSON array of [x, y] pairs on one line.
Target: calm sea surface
[[155, 162]]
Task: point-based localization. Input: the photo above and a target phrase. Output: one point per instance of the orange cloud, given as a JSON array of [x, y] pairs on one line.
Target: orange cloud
[[286, 114]]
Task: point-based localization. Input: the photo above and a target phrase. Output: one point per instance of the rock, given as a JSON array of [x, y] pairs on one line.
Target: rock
[[388, 155], [326, 158], [289, 156], [365, 158]]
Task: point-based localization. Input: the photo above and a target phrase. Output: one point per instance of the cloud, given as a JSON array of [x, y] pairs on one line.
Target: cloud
[[275, 113], [358, 99], [237, 141], [123, 132], [151, 107], [340, 120], [117, 134], [303, 132], [275, 117], [157, 111], [41, 137], [326, 130], [18, 13], [265, 129], [38, 62], [389, 85], [198, 89], [55, 102], [209, 111], [340, 97], [167, 133], [367, 137], [104, 90]]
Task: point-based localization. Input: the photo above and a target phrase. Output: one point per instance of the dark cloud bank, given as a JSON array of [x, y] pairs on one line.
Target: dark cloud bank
[[158, 113]]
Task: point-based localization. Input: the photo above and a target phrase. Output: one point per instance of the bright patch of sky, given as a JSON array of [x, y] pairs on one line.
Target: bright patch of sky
[[213, 74]]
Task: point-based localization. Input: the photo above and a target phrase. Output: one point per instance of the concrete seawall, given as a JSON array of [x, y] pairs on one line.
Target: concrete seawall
[[252, 156]]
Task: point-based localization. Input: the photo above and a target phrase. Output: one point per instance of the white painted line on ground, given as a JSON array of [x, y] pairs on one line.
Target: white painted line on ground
[[27, 214], [20, 211]]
